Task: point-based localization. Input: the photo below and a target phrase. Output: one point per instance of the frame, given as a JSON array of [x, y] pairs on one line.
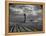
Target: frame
[[18, 3]]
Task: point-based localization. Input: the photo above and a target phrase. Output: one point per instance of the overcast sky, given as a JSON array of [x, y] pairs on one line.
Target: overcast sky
[[28, 9]]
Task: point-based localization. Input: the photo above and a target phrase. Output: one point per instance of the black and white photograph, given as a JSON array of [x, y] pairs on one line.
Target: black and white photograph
[[25, 17]]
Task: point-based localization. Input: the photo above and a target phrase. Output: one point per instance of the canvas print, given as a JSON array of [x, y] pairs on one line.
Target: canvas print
[[25, 17]]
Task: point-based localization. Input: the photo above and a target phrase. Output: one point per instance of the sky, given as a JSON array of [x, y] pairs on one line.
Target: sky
[[28, 9]]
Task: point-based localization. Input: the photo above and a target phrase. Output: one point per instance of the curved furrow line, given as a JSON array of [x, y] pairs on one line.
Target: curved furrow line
[[21, 28], [26, 29], [17, 28]]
